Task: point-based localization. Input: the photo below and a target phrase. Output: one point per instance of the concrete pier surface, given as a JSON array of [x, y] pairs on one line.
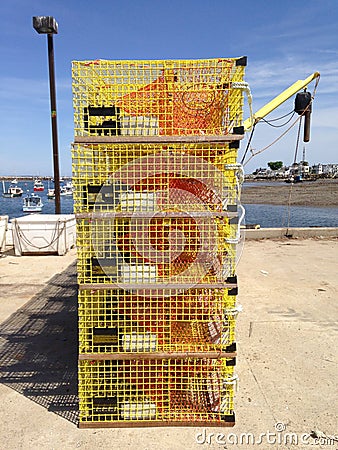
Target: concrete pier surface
[[287, 355]]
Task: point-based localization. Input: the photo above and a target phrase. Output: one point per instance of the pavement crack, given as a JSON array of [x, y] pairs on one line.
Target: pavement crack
[[250, 328], [261, 390]]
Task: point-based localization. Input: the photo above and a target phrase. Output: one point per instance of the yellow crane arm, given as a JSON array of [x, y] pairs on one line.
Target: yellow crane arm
[[277, 101]]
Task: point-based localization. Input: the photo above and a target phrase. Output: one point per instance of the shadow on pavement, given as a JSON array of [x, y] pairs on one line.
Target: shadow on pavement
[[38, 347]]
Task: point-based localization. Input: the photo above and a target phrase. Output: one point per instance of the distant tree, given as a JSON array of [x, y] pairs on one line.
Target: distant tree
[[304, 163], [275, 165]]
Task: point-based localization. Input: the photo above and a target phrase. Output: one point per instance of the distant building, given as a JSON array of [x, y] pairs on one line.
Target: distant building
[[330, 169], [317, 169], [301, 168]]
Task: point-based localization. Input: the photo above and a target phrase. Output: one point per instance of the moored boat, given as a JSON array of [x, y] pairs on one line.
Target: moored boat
[[38, 185], [67, 189], [51, 193], [32, 203], [12, 191]]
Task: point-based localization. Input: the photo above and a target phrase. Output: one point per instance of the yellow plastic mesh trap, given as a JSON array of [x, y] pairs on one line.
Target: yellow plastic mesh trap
[[118, 321], [163, 391], [149, 177], [141, 251], [165, 97]]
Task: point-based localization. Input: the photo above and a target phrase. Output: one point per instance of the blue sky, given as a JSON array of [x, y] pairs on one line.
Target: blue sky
[[283, 40]]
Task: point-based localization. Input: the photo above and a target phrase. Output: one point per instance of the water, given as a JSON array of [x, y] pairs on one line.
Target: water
[[267, 216], [275, 216], [12, 207], [262, 183]]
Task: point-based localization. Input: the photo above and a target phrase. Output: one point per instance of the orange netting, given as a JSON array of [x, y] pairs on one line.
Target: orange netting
[[193, 108]]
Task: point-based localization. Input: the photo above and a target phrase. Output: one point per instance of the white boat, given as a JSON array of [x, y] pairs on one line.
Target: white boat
[[51, 193], [67, 189], [32, 203], [14, 181], [38, 185], [12, 191]]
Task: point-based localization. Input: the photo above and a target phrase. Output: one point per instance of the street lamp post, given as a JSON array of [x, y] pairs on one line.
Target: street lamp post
[[48, 25]]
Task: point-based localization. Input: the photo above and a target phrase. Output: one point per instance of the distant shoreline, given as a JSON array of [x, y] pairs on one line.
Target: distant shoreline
[[8, 179], [320, 193]]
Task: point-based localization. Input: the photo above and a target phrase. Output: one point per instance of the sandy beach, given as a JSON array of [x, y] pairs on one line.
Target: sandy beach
[[319, 193]]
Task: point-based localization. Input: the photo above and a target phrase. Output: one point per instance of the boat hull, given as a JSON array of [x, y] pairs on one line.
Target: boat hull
[[13, 192], [9, 195], [28, 209]]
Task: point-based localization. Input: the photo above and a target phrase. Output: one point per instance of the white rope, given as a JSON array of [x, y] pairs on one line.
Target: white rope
[[246, 88], [238, 232]]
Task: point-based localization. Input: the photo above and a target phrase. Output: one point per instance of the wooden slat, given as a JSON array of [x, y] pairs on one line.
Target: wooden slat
[[155, 214], [159, 286], [153, 355], [154, 423], [156, 139]]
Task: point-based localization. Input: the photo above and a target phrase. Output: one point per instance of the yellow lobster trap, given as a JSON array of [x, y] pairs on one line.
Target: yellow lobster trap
[[153, 177], [116, 322], [156, 250], [157, 392], [150, 98]]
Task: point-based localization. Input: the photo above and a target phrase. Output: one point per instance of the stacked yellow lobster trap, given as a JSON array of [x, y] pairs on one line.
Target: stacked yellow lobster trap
[[157, 189]]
